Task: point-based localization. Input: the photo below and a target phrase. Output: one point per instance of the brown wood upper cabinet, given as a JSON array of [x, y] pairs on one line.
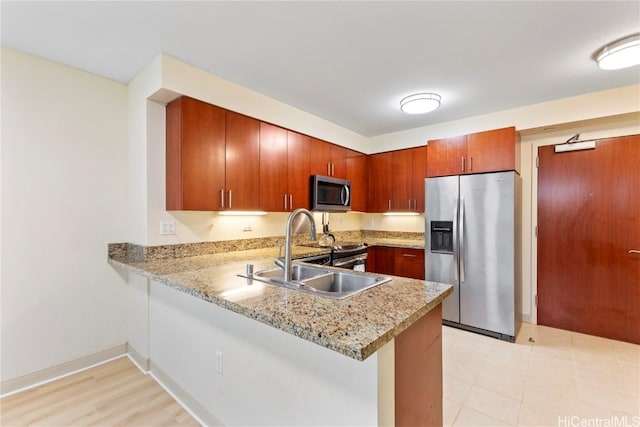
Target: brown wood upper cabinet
[[284, 169], [396, 180], [489, 151], [242, 162], [357, 173], [327, 159], [208, 148], [298, 160]]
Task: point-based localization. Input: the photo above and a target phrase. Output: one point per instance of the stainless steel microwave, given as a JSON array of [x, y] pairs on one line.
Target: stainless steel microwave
[[330, 194]]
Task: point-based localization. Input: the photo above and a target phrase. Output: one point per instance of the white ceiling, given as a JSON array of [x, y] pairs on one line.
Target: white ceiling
[[348, 62]]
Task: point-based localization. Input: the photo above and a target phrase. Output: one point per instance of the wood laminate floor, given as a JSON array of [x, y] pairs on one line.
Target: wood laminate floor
[[113, 394]]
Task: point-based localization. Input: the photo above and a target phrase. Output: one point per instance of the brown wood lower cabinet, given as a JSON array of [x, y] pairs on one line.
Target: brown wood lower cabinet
[[409, 263], [404, 262]]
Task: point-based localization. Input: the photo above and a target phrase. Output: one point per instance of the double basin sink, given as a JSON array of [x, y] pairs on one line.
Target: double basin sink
[[328, 282]]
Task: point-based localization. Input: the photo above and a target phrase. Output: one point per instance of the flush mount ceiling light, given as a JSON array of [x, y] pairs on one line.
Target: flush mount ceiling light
[[420, 103], [621, 54]]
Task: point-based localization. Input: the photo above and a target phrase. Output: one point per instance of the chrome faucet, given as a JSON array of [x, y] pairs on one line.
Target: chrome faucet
[[287, 240]]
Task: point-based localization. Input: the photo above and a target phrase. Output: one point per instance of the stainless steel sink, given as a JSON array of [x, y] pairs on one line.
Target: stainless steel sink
[[300, 272], [322, 281]]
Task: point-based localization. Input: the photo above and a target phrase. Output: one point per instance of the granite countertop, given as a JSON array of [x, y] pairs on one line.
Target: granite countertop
[[398, 243], [356, 326]]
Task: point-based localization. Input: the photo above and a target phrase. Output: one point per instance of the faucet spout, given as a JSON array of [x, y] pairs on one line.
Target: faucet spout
[[287, 243]]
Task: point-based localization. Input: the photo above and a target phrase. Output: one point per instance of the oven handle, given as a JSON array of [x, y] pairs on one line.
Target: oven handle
[[352, 260]]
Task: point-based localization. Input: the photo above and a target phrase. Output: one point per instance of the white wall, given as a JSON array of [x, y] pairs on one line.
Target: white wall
[[590, 106], [269, 377], [64, 189], [147, 198]]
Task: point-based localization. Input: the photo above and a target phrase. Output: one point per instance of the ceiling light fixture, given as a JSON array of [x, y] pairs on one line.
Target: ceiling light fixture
[[420, 103], [621, 54]]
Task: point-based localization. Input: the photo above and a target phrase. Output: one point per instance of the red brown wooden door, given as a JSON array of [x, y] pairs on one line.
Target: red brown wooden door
[[588, 227]]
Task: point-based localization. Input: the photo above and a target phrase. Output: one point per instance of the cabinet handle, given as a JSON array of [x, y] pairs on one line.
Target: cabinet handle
[[470, 164], [462, 164], [222, 198], [389, 205], [333, 169], [285, 202], [328, 168], [634, 251], [409, 204], [230, 198], [291, 201], [409, 255]]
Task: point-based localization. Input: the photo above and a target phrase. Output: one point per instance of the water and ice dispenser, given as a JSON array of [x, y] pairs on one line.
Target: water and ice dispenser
[[442, 237]]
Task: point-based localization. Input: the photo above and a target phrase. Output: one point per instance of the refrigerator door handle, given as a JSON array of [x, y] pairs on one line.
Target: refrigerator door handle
[[455, 239], [461, 226]]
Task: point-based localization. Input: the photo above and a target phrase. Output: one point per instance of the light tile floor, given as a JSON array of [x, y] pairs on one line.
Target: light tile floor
[[561, 379]]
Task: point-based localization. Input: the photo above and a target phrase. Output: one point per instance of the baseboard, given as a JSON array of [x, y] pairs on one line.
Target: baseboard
[[199, 412], [526, 318], [141, 362], [49, 374]]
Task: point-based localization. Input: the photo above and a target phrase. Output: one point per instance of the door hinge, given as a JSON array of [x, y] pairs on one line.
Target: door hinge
[[537, 161], [536, 299], [536, 231]]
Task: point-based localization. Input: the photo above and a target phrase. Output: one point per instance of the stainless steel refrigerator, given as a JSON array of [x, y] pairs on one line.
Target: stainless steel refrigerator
[[472, 240]]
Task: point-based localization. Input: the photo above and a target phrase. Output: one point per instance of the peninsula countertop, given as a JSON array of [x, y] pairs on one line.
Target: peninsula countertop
[[356, 326]]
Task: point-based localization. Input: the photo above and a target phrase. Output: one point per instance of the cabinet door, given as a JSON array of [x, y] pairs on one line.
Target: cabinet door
[[320, 157], [402, 194], [298, 170], [409, 263], [338, 161], [419, 174], [380, 259], [492, 151], [447, 156], [273, 168], [357, 172], [195, 157], [242, 162], [380, 182]]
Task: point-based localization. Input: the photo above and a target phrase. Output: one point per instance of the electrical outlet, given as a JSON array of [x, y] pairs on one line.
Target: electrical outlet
[[167, 228], [247, 226], [219, 362]]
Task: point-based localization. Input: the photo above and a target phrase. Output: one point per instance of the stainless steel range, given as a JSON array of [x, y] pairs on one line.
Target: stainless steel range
[[352, 256]]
